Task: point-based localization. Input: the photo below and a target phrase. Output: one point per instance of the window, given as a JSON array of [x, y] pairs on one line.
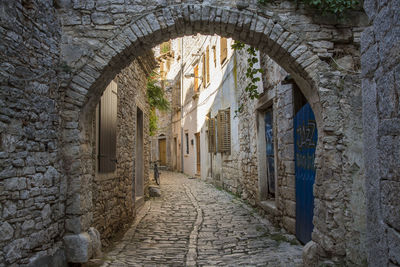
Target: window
[[215, 55], [269, 140], [211, 135], [223, 49], [187, 142], [177, 95], [224, 131], [196, 79], [108, 129], [206, 67], [203, 74]]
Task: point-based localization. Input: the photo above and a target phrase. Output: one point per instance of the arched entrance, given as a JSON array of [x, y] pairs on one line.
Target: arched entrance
[[288, 46]]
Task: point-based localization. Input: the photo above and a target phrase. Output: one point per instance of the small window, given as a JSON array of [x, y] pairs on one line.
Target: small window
[[223, 49], [215, 56], [177, 95], [108, 129], [224, 130], [187, 143], [206, 67]]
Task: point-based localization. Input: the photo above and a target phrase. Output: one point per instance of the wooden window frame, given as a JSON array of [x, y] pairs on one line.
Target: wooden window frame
[[224, 131], [223, 50]]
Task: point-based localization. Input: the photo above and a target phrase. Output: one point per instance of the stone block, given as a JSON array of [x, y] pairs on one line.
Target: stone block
[[14, 184], [367, 38], [389, 156], [290, 208], [310, 254], [78, 247], [101, 18], [289, 224], [394, 245], [13, 251], [154, 191], [289, 193], [388, 52], [6, 231], [73, 225], [390, 199], [96, 242], [370, 61]]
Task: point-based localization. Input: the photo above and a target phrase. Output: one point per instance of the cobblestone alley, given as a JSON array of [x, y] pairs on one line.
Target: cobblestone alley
[[193, 223]]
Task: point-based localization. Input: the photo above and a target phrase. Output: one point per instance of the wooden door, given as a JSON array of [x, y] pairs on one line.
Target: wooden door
[[198, 152], [305, 142], [162, 146]]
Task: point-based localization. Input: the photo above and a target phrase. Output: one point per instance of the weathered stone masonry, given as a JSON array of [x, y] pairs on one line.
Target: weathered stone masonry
[[113, 194], [32, 187], [380, 48], [47, 101]]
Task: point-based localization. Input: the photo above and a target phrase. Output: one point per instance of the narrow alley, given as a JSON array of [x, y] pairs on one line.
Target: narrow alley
[[195, 224], [275, 124]]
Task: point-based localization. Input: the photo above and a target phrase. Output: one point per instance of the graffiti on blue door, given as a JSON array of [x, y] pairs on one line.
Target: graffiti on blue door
[[305, 137], [269, 140]]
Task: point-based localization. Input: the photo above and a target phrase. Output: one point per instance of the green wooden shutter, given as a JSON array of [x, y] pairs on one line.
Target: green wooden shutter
[[224, 131]]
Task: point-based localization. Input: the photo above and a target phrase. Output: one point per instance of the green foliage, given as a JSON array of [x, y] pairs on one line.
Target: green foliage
[[328, 6], [155, 94], [157, 100], [165, 47], [153, 122], [251, 71], [332, 6]]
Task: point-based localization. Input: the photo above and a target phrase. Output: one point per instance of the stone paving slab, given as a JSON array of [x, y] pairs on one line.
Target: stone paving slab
[[195, 224]]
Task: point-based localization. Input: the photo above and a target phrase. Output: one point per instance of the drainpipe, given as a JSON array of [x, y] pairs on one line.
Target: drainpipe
[[181, 94]]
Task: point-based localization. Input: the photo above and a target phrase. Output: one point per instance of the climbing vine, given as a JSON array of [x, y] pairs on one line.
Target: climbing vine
[[157, 100], [251, 72], [328, 6]]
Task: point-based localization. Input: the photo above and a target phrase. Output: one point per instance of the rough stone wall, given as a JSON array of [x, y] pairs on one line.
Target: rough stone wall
[[113, 205], [247, 135], [286, 194], [380, 48], [88, 25], [32, 188]]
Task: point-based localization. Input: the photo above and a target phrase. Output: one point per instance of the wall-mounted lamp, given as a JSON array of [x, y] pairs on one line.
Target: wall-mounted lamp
[[191, 75]]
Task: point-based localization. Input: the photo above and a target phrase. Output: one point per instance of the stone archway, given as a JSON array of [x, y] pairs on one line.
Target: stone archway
[[268, 31]]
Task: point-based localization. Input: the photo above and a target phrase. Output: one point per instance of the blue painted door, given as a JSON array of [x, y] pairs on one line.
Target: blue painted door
[[305, 137], [269, 141]]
